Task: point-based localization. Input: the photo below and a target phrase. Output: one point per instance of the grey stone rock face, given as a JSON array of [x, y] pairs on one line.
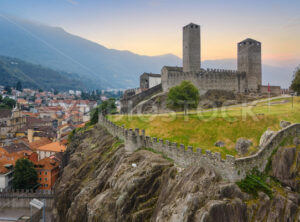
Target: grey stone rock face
[[225, 211], [284, 124], [220, 144], [282, 167], [296, 141], [242, 146], [264, 139]]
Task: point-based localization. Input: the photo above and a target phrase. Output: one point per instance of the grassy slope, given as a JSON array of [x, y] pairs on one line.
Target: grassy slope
[[204, 129]]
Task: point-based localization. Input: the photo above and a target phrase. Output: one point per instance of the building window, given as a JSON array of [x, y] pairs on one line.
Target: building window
[[45, 173], [40, 179], [46, 185], [45, 179], [40, 173]]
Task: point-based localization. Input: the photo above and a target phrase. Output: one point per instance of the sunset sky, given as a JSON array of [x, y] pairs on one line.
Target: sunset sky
[[154, 27]]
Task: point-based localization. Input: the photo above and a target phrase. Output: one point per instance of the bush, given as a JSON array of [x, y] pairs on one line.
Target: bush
[[183, 95], [296, 81], [107, 107], [255, 182]]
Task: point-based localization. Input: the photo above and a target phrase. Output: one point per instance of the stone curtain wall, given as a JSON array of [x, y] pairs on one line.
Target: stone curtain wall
[[260, 159], [128, 103], [21, 198], [230, 169], [206, 79], [275, 90]]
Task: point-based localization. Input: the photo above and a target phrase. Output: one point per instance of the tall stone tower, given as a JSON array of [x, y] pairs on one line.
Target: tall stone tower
[[191, 48], [249, 61]]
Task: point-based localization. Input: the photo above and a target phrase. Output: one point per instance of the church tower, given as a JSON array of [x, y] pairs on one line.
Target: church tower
[[191, 48], [249, 61]]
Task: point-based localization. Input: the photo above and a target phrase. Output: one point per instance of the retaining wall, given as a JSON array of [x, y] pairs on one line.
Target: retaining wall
[[230, 169], [21, 199], [128, 103]]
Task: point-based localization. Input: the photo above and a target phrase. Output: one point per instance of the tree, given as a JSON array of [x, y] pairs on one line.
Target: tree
[[107, 107], [9, 102], [7, 89], [296, 81], [19, 86], [25, 176], [183, 96]]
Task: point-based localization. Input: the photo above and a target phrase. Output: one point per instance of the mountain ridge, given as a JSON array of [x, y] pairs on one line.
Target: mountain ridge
[[13, 70]]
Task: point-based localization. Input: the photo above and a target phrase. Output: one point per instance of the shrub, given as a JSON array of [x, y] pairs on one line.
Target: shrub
[[183, 95], [255, 182], [107, 107], [296, 81]]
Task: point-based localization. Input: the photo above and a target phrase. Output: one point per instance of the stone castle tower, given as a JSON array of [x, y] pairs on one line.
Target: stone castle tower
[[249, 61], [191, 48]]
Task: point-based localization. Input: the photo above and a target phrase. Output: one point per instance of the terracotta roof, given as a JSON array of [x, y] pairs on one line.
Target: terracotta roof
[[30, 114], [46, 163], [36, 144], [3, 169], [17, 147], [64, 142], [54, 147]]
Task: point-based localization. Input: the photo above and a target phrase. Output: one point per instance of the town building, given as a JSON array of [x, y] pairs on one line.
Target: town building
[[50, 149], [6, 176], [149, 80], [47, 171]]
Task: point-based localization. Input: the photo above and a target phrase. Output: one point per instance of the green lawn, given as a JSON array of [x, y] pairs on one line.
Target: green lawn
[[226, 124]]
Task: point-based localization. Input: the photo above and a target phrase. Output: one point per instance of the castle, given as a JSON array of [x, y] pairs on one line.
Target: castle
[[246, 79]]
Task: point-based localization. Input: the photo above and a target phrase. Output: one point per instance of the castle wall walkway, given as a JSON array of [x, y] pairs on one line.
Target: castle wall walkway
[[231, 169]]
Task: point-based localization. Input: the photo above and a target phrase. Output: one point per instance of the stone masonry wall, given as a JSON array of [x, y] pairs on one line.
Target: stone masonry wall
[[128, 103], [21, 198], [229, 169], [274, 90], [206, 79]]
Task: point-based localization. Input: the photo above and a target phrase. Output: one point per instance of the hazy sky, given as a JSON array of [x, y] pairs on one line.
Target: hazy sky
[[154, 27]]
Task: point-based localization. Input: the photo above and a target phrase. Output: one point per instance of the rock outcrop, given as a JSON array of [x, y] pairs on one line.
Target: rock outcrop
[[285, 167], [219, 144], [102, 182], [284, 124], [267, 135], [242, 146]]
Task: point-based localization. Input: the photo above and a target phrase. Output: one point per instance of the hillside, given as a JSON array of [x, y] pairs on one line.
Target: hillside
[[35, 76], [227, 124], [103, 182]]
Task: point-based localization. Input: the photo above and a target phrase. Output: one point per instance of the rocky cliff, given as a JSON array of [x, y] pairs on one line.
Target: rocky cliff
[[101, 182]]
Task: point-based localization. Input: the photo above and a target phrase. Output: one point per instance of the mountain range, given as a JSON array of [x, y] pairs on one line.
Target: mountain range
[[92, 64], [33, 76]]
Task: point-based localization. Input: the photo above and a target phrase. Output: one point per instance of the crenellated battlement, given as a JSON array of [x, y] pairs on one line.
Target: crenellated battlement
[[230, 168], [204, 73]]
